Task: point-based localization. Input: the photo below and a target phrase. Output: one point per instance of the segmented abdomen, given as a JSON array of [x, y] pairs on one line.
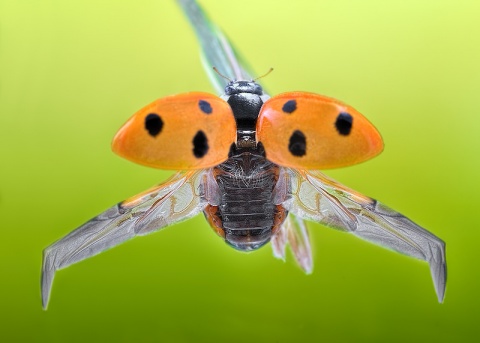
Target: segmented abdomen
[[246, 212]]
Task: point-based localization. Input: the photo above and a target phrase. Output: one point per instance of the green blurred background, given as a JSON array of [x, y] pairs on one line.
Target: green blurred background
[[71, 72]]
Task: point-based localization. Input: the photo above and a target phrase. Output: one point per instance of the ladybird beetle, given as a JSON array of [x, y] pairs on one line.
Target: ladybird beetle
[[249, 163]]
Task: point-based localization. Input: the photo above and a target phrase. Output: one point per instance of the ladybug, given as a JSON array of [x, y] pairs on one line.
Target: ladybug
[[250, 164]]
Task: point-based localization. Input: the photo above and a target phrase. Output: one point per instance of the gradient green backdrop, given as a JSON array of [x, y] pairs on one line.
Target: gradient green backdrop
[[71, 72]]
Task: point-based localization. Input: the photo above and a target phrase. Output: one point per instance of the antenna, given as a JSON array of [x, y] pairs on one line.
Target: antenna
[[226, 78], [268, 72]]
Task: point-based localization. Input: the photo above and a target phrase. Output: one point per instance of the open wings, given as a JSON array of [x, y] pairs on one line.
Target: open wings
[[177, 199], [316, 197]]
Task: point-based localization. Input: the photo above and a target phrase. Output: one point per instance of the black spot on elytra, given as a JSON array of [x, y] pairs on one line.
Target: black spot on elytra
[[205, 106], [153, 124], [344, 123], [298, 144], [289, 106], [200, 144]]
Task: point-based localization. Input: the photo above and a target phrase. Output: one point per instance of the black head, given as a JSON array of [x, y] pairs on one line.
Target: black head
[[237, 87]]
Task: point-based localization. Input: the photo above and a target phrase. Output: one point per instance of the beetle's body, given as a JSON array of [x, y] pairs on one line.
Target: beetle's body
[[251, 164], [246, 215]]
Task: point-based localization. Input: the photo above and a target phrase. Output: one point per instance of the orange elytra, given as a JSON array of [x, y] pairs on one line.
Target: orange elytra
[[311, 131], [185, 131]]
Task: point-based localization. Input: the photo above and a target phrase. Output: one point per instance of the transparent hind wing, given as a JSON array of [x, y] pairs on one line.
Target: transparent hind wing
[[177, 199], [299, 242], [279, 241], [294, 232], [318, 198]]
